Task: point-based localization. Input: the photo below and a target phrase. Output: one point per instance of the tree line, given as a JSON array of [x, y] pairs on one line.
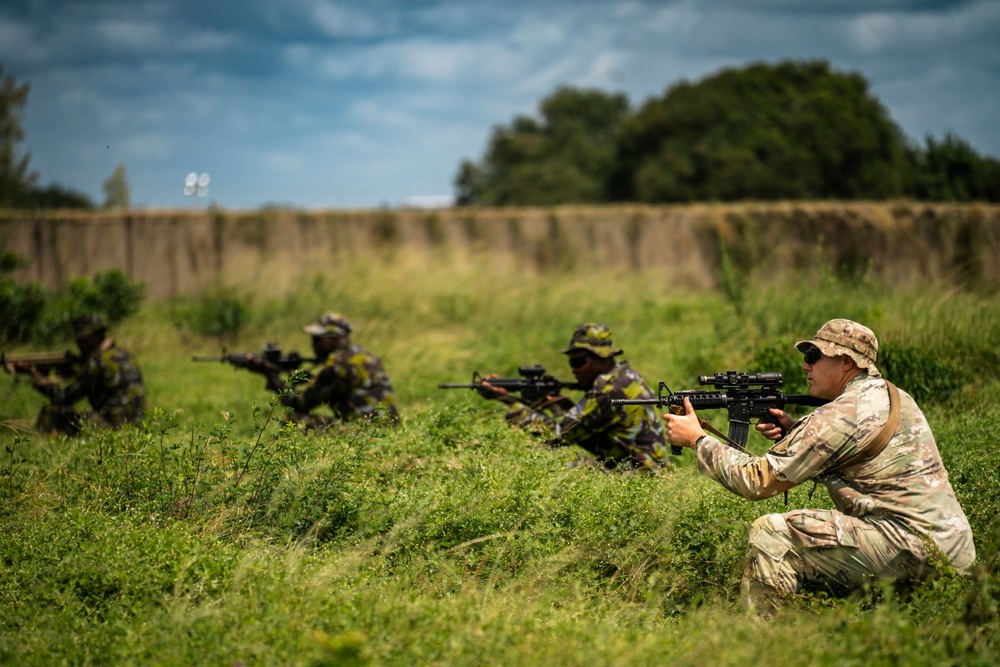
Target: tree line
[[791, 130], [19, 187]]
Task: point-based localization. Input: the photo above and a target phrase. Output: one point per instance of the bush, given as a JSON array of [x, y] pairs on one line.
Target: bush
[[922, 373], [220, 313], [30, 313]]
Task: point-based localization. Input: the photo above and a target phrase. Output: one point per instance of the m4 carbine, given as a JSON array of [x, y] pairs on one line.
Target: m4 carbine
[[533, 384], [271, 355], [746, 396], [62, 364]]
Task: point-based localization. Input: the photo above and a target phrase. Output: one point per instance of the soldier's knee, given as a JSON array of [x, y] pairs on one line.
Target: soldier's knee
[[767, 546], [766, 530]]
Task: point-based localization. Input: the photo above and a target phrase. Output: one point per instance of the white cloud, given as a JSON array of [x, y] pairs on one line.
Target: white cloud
[[340, 20], [880, 32]]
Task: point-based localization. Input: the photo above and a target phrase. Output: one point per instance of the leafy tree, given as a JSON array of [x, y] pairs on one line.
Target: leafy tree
[[566, 156], [56, 196], [18, 187], [950, 170], [791, 130], [116, 191], [16, 180]]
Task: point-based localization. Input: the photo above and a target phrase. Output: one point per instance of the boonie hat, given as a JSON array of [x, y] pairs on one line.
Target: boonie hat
[[845, 337], [88, 324], [594, 338], [329, 324]]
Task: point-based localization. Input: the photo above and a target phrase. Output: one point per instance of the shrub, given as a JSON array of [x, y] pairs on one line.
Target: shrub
[[30, 313], [219, 313]]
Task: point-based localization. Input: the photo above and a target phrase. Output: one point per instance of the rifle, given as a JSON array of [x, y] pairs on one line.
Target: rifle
[[271, 354], [535, 384], [62, 364], [747, 396]]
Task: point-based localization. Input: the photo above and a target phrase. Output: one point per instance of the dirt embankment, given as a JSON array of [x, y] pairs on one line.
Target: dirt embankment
[[182, 252]]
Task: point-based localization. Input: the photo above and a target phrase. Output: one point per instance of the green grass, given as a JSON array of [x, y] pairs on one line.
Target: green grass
[[213, 535]]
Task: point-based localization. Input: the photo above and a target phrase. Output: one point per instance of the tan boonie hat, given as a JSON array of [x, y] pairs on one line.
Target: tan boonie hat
[[839, 337], [329, 324], [594, 338]]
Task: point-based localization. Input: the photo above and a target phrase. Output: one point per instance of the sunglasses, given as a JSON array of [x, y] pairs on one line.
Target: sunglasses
[[578, 362], [812, 355]]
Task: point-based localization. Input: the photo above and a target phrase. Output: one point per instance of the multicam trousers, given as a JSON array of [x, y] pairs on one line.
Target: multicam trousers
[[785, 550]]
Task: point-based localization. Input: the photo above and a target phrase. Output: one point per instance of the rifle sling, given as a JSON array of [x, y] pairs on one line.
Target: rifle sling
[[877, 442]]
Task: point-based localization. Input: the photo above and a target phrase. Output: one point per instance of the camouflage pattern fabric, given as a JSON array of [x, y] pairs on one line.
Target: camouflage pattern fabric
[[630, 436], [352, 383], [111, 382], [894, 514]]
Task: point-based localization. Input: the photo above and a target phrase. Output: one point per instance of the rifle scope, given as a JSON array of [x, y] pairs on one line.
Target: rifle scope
[[738, 379]]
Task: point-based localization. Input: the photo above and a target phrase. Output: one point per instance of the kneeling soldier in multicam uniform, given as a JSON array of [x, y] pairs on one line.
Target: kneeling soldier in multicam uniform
[[108, 377], [350, 379], [619, 436], [896, 514]]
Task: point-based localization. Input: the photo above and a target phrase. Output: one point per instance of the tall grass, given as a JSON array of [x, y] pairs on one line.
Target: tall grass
[[214, 534]]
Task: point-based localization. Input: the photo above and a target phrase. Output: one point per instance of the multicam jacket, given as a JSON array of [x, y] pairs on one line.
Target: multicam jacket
[[352, 383], [904, 490], [613, 433], [111, 381]]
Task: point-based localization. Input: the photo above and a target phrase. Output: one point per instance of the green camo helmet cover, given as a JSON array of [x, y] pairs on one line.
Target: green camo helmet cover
[[329, 324], [595, 338], [86, 325]]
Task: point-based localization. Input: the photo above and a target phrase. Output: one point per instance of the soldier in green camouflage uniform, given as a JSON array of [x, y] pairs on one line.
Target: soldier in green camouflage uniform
[[896, 514], [109, 378], [622, 436], [351, 381]]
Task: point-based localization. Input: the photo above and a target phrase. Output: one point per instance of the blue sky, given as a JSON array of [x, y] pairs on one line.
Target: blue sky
[[327, 104]]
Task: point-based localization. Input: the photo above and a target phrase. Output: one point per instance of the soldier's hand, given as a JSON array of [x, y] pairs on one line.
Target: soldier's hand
[[561, 402], [486, 390], [777, 427], [255, 364], [683, 430]]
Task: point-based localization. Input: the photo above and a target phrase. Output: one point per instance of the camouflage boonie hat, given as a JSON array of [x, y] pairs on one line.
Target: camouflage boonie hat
[[88, 324], [329, 324], [845, 337], [594, 338]]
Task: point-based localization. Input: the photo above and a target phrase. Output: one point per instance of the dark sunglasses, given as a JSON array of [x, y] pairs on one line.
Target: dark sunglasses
[[812, 355], [578, 362]]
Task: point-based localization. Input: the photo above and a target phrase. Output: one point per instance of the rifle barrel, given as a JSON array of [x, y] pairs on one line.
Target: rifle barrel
[[640, 401], [805, 399]]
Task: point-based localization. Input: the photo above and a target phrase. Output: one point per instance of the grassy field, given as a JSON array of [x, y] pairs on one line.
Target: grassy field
[[215, 535]]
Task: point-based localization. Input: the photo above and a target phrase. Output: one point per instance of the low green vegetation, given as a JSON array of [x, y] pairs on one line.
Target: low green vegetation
[[216, 535]]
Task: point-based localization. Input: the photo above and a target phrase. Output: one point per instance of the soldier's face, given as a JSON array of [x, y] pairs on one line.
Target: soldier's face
[[827, 376], [586, 367], [324, 345], [89, 343]]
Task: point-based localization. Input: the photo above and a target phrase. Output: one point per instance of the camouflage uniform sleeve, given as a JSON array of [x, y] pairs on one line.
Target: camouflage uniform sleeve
[[744, 474], [330, 385], [809, 449], [820, 439], [534, 419], [75, 389], [593, 414]]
